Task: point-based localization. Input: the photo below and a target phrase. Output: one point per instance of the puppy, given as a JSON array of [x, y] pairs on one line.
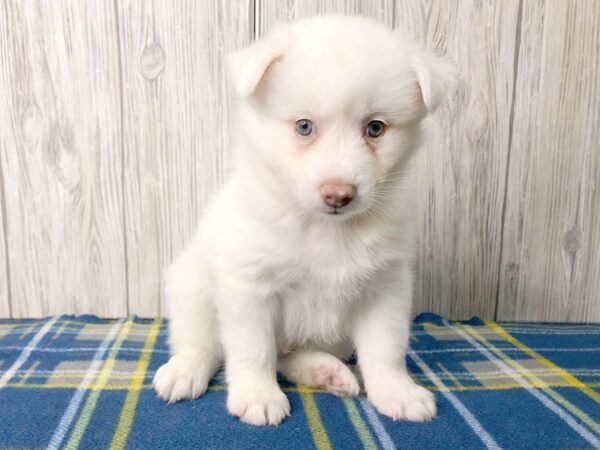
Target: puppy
[[306, 254]]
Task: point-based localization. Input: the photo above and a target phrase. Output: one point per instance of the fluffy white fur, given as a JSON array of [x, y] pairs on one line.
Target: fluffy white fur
[[271, 281]]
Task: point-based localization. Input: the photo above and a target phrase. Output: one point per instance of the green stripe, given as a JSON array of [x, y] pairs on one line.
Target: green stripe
[[92, 400], [359, 424], [315, 423], [129, 407], [523, 371]]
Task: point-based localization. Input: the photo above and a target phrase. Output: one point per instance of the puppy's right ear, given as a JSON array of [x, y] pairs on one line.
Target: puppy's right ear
[[248, 66]]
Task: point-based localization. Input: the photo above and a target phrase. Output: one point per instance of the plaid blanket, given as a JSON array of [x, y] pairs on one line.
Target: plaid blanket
[[68, 382]]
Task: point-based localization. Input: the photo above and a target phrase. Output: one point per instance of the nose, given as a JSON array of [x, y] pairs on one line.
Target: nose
[[337, 195]]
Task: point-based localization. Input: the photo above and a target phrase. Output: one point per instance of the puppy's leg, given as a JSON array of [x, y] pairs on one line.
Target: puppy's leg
[[246, 315], [319, 369], [193, 333], [382, 335]]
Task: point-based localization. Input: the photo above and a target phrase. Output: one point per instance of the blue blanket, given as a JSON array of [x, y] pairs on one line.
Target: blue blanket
[[82, 382]]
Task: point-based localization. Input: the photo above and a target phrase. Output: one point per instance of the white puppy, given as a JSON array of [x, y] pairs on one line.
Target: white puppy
[[306, 254]]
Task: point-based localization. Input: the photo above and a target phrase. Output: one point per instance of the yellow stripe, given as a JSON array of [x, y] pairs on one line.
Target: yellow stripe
[[73, 322], [60, 329], [448, 375], [77, 376], [92, 400], [488, 387], [359, 424], [572, 380], [500, 386], [315, 424], [94, 387], [552, 393], [128, 412], [501, 376]]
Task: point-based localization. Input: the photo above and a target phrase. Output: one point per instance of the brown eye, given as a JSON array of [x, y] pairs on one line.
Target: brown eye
[[375, 128], [304, 127]]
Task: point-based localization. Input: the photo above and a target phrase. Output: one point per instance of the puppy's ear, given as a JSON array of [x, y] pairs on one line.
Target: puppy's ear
[[248, 66], [437, 77]]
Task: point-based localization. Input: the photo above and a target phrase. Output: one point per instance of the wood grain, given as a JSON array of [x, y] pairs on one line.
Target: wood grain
[[61, 157], [551, 257], [270, 12], [178, 109], [115, 120], [461, 173], [5, 307]]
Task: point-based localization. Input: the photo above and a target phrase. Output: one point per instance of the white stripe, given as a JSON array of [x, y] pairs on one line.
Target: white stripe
[[545, 400], [384, 438], [83, 349], [27, 352], [65, 422], [470, 375], [501, 373], [481, 433], [490, 333], [511, 349], [560, 326], [99, 332], [420, 352], [74, 373]]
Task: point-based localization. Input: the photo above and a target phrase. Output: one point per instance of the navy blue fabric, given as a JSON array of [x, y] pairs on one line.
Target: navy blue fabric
[[83, 382]]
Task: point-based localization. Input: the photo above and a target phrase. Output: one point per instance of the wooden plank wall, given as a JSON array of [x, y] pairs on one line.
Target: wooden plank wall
[[62, 157], [550, 267], [177, 107], [114, 120]]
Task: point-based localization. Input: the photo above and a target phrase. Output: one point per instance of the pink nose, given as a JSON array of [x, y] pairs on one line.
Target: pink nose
[[337, 195]]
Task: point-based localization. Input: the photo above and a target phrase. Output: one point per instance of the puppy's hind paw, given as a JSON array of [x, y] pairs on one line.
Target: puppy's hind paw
[[336, 378], [182, 378]]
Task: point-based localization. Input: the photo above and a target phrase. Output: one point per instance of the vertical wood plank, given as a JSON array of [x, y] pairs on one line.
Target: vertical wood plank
[[61, 157], [5, 307], [270, 12], [178, 109], [551, 258], [461, 172], [75, 185]]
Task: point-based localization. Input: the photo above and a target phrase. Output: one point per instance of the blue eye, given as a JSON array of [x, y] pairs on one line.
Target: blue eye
[[304, 127], [375, 128]]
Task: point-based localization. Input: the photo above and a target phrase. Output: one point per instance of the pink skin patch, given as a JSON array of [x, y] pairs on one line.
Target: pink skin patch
[[326, 376]]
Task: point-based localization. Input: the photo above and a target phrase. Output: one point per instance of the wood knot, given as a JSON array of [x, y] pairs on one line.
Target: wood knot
[[152, 62], [477, 120], [572, 240], [31, 126], [63, 158]]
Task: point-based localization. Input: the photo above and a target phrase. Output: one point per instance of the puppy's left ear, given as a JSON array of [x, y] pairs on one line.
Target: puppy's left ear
[[437, 78], [249, 65]]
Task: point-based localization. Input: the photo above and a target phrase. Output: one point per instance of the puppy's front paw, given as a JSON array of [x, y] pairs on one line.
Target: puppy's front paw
[[400, 398], [181, 378], [258, 405]]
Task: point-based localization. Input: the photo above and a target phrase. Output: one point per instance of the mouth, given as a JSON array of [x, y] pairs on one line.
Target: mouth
[[335, 212], [343, 213]]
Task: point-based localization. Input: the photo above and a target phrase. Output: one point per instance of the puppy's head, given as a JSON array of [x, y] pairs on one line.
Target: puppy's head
[[331, 106]]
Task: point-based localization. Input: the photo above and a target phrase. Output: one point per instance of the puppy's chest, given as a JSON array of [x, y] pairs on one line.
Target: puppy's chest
[[335, 270], [319, 290]]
